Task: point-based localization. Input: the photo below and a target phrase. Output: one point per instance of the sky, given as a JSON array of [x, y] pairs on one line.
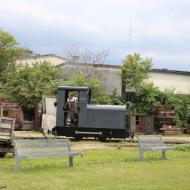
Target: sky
[[157, 29]]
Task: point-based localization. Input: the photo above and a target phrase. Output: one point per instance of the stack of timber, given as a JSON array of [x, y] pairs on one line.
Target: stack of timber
[[188, 129], [165, 120], [170, 130], [38, 116]]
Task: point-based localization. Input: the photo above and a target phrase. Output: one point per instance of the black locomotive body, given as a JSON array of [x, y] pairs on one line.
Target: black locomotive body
[[92, 120]]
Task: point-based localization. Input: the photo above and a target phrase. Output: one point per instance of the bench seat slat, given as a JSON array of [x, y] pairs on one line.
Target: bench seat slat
[[47, 155], [158, 148], [45, 151], [5, 126], [41, 146], [5, 134], [163, 148], [3, 137]]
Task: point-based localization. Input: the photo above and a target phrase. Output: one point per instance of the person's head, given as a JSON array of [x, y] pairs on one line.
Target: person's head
[[71, 94]]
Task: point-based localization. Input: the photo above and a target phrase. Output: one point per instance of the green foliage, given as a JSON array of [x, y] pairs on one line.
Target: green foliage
[[183, 147], [27, 84], [103, 99], [135, 70], [81, 79], [9, 52], [98, 94], [115, 99], [182, 107], [167, 97], [147, 97], [181, 103]]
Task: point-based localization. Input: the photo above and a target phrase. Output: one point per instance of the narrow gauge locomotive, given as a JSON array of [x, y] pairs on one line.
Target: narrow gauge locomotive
[[92, 120]]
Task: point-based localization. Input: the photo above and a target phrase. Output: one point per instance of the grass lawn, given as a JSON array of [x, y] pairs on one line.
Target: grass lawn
[[112, 169]]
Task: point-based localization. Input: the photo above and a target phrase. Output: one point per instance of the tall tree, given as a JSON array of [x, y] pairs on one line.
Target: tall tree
[[28, 84], [135, 70], [9, 52]]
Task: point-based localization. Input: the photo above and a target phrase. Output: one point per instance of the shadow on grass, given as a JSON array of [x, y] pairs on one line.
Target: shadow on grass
[[43, 164]]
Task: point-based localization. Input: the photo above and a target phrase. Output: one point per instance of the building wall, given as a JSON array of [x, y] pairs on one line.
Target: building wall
[[179, 82], [110, 76]]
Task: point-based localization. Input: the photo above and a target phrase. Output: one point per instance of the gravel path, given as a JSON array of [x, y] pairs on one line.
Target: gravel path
[[95, 144]]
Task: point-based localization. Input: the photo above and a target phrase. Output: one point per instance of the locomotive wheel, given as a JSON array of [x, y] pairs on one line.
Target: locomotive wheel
[[102, 138], [131, 136], [2, 154], [78, 138]]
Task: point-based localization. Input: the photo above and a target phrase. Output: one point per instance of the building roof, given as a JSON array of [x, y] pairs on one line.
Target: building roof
[[171, 71], [94, 65], [36, 56], [67, 61], [119, 67]]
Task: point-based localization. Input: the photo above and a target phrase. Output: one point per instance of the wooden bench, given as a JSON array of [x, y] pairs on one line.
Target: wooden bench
[[152, 143], [43, 148]]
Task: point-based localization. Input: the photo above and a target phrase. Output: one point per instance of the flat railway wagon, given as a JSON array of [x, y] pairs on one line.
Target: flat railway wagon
[[92, 120]]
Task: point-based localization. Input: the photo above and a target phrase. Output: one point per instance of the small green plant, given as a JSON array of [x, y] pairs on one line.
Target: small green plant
[[183, 147]]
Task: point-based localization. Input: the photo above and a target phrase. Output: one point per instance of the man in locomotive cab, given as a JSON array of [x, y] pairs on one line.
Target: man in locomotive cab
[[71, 105]]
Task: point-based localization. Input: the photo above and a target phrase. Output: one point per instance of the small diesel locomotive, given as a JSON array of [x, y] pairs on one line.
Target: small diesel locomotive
[[90, 119]]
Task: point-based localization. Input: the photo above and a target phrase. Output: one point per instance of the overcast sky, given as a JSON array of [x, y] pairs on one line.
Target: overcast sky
[[154, 28]]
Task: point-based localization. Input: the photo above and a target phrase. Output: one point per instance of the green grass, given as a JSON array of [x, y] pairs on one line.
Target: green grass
[[112, 169], [183, 147]]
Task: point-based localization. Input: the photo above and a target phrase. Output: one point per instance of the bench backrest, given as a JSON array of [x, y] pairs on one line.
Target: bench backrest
[[146, 141], [6, 128], [42, 147]]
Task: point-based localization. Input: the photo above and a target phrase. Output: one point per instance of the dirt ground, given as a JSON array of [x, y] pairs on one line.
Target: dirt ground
[[86, 144]]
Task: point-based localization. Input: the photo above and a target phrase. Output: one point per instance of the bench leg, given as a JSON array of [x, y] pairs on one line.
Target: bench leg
[[17, 164], [164, 154], [70, 161], [141, 156]]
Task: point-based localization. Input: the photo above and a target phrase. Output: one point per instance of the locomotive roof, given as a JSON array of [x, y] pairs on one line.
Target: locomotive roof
[[106, 107]]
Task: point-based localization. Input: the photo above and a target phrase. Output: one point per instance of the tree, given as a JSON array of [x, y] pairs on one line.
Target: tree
[[27, 84], [87, 56], [147, 96], [135, 70], [9, 53]]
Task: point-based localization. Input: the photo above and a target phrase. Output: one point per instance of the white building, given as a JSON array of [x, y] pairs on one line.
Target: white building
[[177, 80]]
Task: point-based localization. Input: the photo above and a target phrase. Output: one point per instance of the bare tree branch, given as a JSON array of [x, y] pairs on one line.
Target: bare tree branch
[[86, 61]]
